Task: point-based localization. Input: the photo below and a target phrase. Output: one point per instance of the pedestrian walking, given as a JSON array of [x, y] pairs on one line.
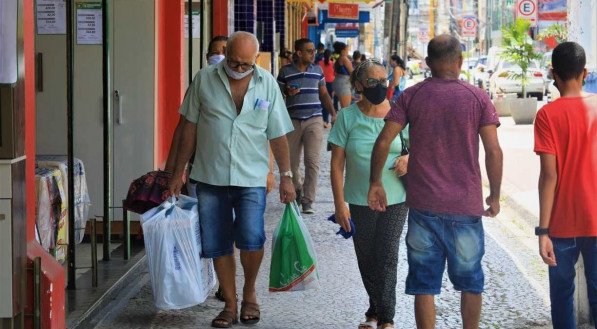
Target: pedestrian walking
[[303, 84], [234, 108], [327, 66], [285, 57], [356, 58], [216, 50], [377, 234], [566, 142], [397, 77], [319, 54], [446, 118], [343, 69]]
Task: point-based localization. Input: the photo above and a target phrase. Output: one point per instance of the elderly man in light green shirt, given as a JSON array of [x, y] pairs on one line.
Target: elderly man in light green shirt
[[234, 109]]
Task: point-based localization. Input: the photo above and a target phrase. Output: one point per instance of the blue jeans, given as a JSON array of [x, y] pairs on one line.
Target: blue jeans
[[434, 239], [228, 216], [561, 278]]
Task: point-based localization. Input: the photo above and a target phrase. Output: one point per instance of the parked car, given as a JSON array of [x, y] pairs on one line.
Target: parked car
[[503, 81]]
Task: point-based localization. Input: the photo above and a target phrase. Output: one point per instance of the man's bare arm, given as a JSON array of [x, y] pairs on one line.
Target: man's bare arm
[[376, 198], [186, 148], [282, 155], [494, 165], [381, 149], [548, 181]]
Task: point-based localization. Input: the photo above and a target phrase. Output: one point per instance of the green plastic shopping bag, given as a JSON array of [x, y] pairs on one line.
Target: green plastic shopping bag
[[294, 263]]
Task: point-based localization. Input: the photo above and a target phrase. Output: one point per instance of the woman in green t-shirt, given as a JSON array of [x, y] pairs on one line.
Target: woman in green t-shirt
[[377, 234]]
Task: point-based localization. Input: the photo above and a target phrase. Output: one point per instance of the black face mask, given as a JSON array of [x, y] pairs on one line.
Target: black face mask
[[376, 95]]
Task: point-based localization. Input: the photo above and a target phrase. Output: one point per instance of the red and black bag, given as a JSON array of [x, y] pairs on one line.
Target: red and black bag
[[147, 191]]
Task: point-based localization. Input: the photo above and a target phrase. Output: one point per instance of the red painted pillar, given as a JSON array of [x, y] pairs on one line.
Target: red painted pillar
[[53, 314], [304, 27], [29, 51], [169, 47], [220, 18]]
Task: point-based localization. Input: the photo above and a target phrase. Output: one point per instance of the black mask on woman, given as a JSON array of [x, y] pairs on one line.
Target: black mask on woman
[[376, 95]]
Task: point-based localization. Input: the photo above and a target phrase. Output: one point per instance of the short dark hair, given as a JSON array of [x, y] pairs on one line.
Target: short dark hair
[[215, 39], [356, 55], [568, 60], [300, 43], [320, 46], [339, 46], [444, 48], [286, 54]]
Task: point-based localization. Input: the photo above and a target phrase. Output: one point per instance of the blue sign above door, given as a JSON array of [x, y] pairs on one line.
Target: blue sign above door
[[364, 17]]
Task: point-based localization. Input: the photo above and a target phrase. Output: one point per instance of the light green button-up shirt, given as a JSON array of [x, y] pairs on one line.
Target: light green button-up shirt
[[233, 150]]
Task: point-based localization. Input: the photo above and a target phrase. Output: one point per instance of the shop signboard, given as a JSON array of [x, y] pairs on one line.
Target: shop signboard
[[343, 11], [553, 10]]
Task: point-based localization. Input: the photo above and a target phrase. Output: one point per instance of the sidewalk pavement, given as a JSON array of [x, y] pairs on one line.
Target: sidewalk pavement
[[516, 283]]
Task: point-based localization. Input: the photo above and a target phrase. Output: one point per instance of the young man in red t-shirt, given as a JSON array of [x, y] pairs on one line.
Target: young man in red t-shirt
[[566, 141]]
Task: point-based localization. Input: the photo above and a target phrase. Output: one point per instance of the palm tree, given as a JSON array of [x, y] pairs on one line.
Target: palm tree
[[518, 49]]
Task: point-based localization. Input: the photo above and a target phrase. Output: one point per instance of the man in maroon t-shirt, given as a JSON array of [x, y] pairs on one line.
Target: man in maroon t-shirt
[[446, 118]]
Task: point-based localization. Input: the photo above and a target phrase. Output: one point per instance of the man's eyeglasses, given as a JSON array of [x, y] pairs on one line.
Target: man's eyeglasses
[[372, 83], [244, 66], [310, 51]]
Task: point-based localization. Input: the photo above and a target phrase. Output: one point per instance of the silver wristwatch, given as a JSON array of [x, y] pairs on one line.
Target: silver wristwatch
[[286, 174]]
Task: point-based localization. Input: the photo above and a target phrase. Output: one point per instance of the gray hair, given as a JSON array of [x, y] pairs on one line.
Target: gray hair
[[241, 35], [361, 70]]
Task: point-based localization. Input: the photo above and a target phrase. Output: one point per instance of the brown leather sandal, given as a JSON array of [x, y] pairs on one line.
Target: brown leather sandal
[[225, 319], [250, 310]]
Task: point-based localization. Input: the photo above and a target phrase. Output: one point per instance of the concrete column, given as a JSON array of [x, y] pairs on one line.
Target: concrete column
[[582, 28]]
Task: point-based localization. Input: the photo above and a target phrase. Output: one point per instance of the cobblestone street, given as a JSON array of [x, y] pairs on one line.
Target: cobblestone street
[[515, 286]]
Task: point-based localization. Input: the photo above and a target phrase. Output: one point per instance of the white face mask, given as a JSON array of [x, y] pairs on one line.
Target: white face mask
[[215, 59], [236, 75]]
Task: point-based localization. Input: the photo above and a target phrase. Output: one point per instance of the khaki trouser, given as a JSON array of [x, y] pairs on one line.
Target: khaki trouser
[[307, 134]]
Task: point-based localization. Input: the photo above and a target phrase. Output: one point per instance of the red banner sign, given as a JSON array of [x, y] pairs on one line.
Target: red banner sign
[[343, 11]]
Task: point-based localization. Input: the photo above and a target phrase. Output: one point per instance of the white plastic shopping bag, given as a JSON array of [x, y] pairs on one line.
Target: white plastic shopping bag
[[180, 278]]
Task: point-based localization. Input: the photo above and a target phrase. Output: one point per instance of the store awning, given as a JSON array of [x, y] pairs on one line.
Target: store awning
[[364, 17]]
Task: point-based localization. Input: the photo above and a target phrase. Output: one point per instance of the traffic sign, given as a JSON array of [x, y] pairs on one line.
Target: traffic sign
[[527, 9], [469, 26]]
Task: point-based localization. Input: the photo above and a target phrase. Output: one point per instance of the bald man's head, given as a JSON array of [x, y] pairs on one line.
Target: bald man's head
[[444, 49], [242, 43]]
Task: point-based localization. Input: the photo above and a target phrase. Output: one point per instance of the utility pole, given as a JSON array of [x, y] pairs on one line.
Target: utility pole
[[388, 28], [395, 26], [431, 19], [403, 36]]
